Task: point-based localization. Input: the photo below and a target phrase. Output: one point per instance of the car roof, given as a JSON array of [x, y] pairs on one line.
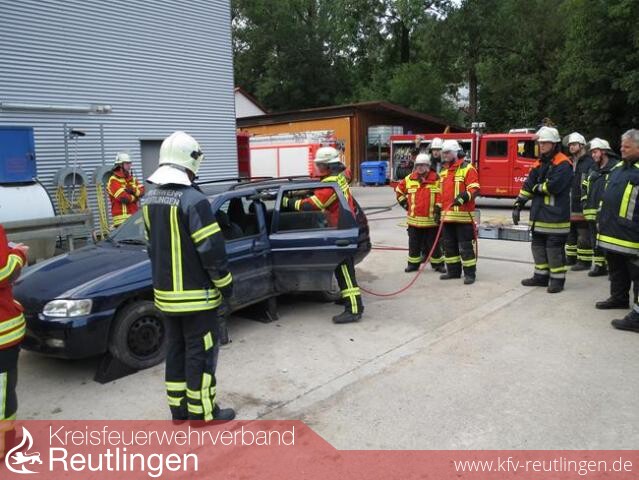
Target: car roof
[[216, 187]]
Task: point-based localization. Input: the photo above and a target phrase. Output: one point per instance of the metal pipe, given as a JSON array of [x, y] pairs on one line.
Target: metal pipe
[[43, 107]]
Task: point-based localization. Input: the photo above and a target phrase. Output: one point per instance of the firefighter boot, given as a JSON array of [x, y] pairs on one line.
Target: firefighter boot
[[598, 271], [556, 285], [469, 278], [411, 267], [630, 322], [453, 271], [224, 414], [611, 303], [580, 266], [441, 268], [536, 281], [347, 317]]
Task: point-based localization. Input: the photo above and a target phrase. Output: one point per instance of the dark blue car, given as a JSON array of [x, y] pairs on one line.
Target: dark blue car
[[99, 298]]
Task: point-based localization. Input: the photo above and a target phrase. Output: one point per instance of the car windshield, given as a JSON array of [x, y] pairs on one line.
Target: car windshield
[[131, 231]]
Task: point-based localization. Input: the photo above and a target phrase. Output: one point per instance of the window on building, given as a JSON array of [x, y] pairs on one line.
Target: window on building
[[497, 148]]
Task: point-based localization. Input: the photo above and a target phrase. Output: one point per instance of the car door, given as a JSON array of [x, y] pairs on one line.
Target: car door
[[494, 167], [243, 224], [305, 247], [527, 153]]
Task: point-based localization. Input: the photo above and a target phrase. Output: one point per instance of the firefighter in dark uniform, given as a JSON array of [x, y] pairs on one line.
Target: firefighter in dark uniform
[[578, 244], [419, 195], [593, 187], [548, 184], [459, 188], [330, 169], [619, 230], [191, 279], [12, 328]]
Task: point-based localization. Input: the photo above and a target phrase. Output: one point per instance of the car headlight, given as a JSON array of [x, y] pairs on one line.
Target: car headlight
[[67, 308]]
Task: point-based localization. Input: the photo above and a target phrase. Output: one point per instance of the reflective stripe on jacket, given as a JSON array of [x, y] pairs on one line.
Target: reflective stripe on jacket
[[459, 178], [186, 248], [593, 188], [549, 184], [619, 215], [12, 323], [581, 167], [421, 195], [325, 199]]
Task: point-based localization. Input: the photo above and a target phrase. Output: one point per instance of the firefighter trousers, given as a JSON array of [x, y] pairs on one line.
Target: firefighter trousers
[[579, 243], [191, 360], [548, 253], [459, 248], [420, 243], [598, 255], [8, 397], [624, 272], [345, 273]]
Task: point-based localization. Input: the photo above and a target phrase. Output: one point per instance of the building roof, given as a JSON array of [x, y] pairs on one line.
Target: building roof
[[251, 98], [380, 107]]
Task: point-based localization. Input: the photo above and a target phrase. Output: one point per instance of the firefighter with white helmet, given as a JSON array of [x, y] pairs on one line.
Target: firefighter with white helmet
[[579, 250], [330, 169], [548, 185], [436, 153], [459, 188], [418, 194], [124, 190], [191, 279], [592, 193]]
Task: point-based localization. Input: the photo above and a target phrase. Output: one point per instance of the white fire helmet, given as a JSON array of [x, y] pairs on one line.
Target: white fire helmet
[[451, 146], [182, 150], [547, 134], [576, 137], [436, 144], [121, 158], [599, 143], [327, 155], [422, 159]]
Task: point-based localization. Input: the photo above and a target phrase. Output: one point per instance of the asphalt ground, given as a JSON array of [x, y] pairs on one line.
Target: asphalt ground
[[443, 366]]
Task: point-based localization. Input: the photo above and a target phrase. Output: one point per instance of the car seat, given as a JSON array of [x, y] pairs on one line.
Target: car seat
[[229, 229]]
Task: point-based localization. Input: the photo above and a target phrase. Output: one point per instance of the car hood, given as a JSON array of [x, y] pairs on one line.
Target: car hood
[[82, 273]]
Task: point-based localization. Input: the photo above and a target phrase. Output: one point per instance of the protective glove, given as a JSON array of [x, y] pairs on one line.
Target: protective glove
[[516, 214], [221, 329], [437, 214], [404, 204], [130, 190], [459, 199]]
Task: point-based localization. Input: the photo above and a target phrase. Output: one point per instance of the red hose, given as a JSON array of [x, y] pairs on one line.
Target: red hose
[[422, 266]]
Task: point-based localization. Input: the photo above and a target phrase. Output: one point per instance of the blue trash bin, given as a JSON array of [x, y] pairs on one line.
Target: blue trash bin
[[374, 172]]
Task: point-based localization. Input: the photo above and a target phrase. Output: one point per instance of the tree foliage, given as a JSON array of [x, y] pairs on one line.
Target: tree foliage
[[576, 61]]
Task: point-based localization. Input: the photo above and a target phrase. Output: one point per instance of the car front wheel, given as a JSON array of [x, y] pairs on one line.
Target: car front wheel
[[139, 335]]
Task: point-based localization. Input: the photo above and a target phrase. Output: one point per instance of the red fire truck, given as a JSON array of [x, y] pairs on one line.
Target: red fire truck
[[502, 159]]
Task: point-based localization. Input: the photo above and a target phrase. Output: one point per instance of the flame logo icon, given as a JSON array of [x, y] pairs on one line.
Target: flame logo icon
[[15, 457]]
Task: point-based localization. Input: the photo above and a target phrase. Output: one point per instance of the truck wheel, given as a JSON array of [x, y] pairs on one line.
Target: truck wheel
[[139, 336]]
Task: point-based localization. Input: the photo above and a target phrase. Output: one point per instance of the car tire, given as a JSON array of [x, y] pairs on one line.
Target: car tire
[[139, 335], [331, 295]]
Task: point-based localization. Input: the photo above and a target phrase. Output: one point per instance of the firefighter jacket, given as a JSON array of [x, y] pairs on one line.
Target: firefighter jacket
[[593, 188], [12, 323], [548, 184], [124, 192], [325, 199], [459, 181], [581, 168], [187, 250], [419, 195], [619, 216]]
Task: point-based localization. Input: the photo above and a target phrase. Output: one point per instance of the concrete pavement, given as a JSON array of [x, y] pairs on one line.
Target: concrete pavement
[[493, 365]]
